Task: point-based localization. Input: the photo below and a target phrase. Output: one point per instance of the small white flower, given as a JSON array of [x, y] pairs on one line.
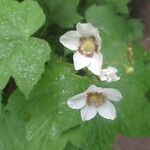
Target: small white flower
[[109, 74], [96, 100], [86, 43]]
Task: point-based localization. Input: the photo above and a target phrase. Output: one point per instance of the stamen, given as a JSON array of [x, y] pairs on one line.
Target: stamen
[[95, 99], [88, 46]]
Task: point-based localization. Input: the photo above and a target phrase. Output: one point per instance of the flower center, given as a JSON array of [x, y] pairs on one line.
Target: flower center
[[88, 46], [95, 99]]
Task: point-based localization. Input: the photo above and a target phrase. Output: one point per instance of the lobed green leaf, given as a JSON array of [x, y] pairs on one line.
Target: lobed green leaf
[[21, 56]]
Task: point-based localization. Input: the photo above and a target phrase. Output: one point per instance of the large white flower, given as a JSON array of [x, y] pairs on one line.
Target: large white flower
[[86, 43], [96, 100], [109, 74]]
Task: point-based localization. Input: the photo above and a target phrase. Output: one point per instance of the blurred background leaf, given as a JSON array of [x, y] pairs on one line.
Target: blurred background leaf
[[61, 12]]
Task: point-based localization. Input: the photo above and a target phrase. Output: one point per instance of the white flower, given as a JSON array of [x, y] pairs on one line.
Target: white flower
[[96, 100], [86, 43], [109, 74]]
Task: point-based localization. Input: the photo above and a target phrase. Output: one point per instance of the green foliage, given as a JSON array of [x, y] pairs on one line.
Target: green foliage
[[114, 27], [12, 133], [51, 123], [21, 56], [120, 7], [44, 121], [47, 111], [69, 146], [57, 10]]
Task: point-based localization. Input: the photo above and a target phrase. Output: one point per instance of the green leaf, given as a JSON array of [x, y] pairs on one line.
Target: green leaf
[[21, 56], [1, 105], [105, 18], [12, 133], [61, 12], [120, 6], [136, 29], [47, 108], [117, 33], [69, 146]]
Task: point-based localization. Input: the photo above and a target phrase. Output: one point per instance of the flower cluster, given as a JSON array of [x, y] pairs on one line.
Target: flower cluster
[[86, 44]]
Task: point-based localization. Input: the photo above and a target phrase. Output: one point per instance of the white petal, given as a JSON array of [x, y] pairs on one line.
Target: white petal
[[98, 38], [93, 88], [109, 79], [96, 64], [85, 29], [112, 69], [77, 102], [70, 40], [88, 112], [114, 77], [112, 94], [109, 74], [107, 110], [81, 61], [102, 77]]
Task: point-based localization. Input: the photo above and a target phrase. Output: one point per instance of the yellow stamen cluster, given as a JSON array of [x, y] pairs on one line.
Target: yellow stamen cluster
[[88, 46], [95, 99]]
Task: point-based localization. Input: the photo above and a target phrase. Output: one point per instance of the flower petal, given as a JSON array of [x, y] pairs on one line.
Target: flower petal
[[110, 79], [107, 110], [93, 88], [88, 112], [70, 40], [112, 69], [85, 29], [81, 61], [98, 38], [114, 77], [77, 102], [96, 64], [109, 74], [103, 77], [112, 94]]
